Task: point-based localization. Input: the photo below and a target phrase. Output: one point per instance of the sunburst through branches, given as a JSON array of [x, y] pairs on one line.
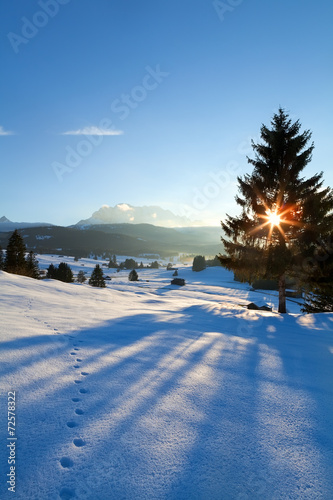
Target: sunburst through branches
[[273, 218], [276, 217]]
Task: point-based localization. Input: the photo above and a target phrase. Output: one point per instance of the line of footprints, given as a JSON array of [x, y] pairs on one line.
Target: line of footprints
[[66, 462]]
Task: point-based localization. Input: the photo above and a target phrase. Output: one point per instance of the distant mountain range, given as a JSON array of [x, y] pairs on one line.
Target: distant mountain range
[[124, 213], [97, 236], [8, 225]]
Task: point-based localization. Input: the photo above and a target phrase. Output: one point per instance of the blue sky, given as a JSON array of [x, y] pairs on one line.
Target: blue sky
[[152, 102]]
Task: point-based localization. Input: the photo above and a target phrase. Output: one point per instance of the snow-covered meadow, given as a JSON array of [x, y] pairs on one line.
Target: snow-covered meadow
[[151, 391]]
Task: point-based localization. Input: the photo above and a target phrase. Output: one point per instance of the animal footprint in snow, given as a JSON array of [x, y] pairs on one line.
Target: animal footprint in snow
[[76, 400], [78, 411], [73, 353], [83, 391], [77, 381], [78, 360], [76, 366], [79, 442], [76, 349], [66, 462], [72, 424], [84, 373], [66, 494]]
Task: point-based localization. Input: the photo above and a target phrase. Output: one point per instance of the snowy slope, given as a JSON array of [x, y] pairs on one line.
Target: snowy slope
[[149, 391]]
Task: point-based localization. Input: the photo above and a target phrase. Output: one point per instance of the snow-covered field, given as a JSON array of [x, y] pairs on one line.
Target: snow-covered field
[[150, 391]]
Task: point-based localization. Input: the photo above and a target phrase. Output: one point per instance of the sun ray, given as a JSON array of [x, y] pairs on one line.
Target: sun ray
[[279, 215]]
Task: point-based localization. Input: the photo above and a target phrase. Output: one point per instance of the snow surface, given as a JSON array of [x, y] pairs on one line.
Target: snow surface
[[151, 391]]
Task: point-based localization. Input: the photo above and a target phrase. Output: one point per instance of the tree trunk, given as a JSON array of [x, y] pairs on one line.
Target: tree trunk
[[282, 294]]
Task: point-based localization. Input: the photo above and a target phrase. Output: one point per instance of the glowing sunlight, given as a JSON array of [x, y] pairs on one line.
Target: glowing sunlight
[[273, 218]]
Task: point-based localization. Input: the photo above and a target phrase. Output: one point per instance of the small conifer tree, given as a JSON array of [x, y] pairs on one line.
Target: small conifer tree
[[96, 278], [133, 275], [64, 273], [32, 265], [130, 264], [199, 263], [15, 255], [51, 272], [81, 277], [112, 262]]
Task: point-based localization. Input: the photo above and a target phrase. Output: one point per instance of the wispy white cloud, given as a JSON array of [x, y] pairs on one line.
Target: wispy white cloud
[[5, 132], [93, 131]]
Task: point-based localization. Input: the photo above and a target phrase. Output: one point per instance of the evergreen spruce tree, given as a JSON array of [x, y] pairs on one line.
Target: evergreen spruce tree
[[2, 260], [199, 263], [81, 277], [283, 215], [15, 255], [112, 262], [51, 272], [319, 289], [96, 278], [32, 265], [64, 273], [130, 264]]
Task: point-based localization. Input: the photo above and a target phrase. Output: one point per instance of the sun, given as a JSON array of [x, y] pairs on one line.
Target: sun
[[273, 218], [277, 218]]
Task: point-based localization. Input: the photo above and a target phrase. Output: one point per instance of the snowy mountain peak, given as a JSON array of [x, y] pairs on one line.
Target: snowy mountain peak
[[126, 213], [4, 220]]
